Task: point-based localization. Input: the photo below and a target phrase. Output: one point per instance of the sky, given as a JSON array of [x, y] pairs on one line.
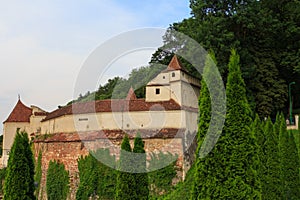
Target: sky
[[44, 44]]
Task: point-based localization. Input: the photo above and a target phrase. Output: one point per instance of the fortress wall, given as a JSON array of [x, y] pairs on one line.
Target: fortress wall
[[68, 153], [115, 120]]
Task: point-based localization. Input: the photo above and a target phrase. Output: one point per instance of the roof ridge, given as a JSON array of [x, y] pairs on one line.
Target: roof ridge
[[20, 113]]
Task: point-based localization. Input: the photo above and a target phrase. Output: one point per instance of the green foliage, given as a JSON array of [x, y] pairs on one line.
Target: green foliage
[[19, 177], [162, 167], [2, 178], [229, 170], [203, 125], [57, 184], [289, 163], [270, 163], [96, 178], [38, 174], [256, 29], [118, 88], [125, 177], [183, 189], [141, 181], [292, 173]]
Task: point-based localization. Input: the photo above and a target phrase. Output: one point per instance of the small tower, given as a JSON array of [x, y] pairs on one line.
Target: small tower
[[174, 83], [19, 119]]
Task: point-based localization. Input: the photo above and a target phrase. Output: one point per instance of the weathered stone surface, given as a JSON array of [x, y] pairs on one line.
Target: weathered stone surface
[[67, 148]]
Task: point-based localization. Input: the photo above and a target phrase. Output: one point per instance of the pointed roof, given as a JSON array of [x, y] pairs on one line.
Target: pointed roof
[[175, 64], [20, 113], [131, 95]]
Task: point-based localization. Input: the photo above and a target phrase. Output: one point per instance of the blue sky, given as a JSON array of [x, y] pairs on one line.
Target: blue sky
[[43, 44]]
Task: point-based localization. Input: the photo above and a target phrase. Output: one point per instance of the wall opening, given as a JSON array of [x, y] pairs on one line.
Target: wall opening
[[157, 91]]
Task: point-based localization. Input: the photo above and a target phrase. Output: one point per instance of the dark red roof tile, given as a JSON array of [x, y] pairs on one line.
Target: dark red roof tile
[[175, 64], [114, 105], [112, 134], [20, 113]]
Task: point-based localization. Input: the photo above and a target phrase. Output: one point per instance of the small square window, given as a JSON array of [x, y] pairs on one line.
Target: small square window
[[173, 74], [157, 91]]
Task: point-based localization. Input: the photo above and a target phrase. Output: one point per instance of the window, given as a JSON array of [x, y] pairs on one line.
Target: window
[[157, 91], [173, 74], [164, 77], [83, 119]]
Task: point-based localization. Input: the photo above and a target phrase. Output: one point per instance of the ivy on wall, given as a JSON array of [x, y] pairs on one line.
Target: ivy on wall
[[38, 174]]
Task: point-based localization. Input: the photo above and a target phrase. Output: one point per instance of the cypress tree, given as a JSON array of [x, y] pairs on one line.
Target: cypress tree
[[19, 178], [57, 184], [292, 172], [141, 177], [239, 144], [203, 125], [283, 153], [229, 170], [88, 177], [125, 177], [271, 178]]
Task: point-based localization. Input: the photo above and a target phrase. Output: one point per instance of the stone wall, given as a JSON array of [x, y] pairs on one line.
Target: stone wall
[[67, 148]]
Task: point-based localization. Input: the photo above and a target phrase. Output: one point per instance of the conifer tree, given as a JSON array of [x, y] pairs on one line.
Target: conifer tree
[[270, 177], [289, 163], [141, 177], [57, 184], [292, 173], [229, 170], [204, 118], [125, 178], [19, 179], [283, 153]]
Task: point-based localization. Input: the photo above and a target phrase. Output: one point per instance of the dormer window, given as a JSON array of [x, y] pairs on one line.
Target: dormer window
[[157, 91], [173, 74]]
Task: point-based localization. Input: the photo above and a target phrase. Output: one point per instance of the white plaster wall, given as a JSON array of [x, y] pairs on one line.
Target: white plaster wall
[[9, 133], [116, 120], [164, 94], [162, 78]]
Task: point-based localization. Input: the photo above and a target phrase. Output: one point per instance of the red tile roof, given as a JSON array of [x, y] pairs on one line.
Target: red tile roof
[[175, 64], [113, 105], [20, 113], [112, 134]]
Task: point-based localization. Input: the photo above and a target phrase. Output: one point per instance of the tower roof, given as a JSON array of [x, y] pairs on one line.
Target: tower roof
[[175, 64], [20, 113], [131, 95]]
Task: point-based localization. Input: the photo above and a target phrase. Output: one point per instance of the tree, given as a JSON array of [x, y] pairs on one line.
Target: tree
[[229, 170], [203, 125], [256, 29], [270, 176], [19, 178], [57, 184], [292, 173], [125, 177], [141, 177], [289, 163], [88, 175], [96, 178]]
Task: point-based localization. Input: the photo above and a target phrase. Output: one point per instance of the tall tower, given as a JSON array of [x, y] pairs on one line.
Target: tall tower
[[176, 83]]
